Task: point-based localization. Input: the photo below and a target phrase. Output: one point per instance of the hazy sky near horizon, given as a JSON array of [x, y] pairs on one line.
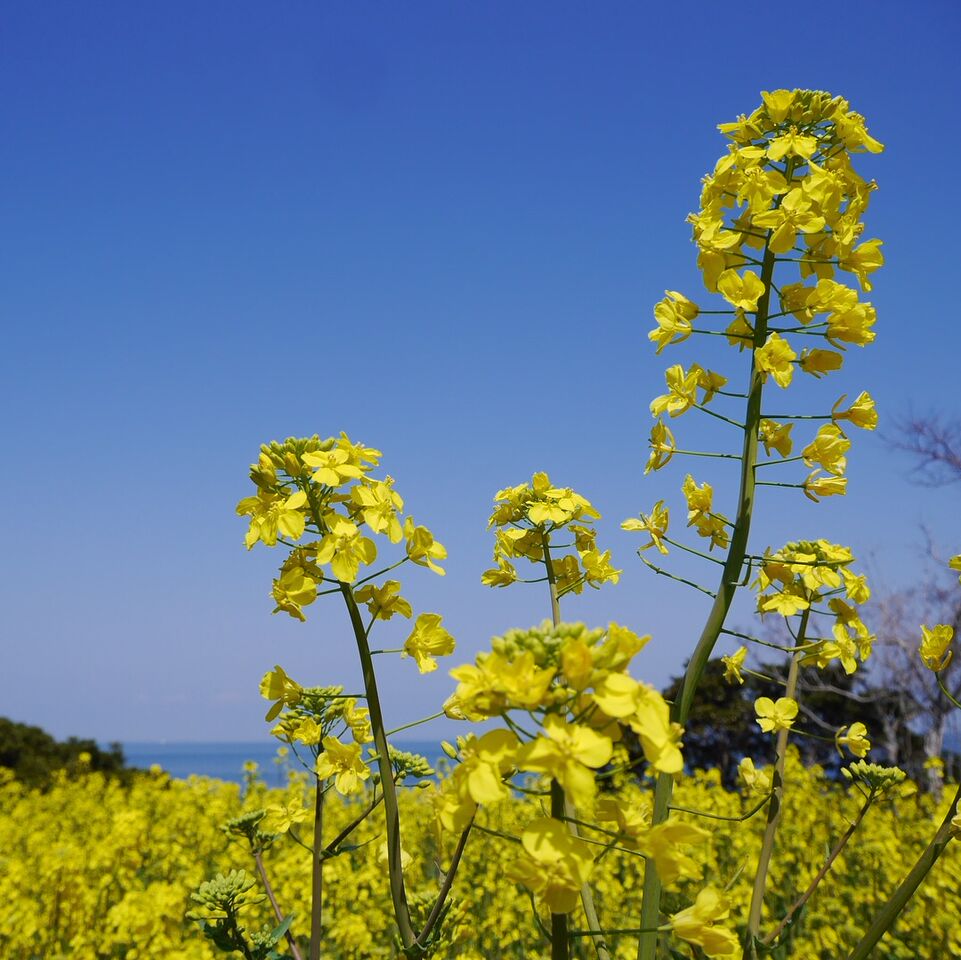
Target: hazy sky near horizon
[[440, 227]]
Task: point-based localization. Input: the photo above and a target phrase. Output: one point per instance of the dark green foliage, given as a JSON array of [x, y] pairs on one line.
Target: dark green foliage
[[33, 755]]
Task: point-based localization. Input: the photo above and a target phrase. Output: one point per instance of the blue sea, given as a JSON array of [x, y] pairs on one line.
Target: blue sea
[[225, 761]]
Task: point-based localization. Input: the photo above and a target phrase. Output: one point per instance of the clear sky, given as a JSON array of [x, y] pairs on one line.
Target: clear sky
[[440, 227]]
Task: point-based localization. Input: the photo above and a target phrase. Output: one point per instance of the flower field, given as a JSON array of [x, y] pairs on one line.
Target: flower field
[[92, 869]]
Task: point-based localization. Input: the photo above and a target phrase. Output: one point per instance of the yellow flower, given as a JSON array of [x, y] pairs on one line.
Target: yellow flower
[[739, 332], [852, 325], [819, 362], [503, 575], [776, 436], [862, 413], [598, 568], [383, 602], [863, 260], [422, 548], [794, 215], [276, 685], [655, 526], [342, 762], [955, 564], [427, 640], [554, 865], [794, 144], [855, 739], [332, 467], [775, 358], [379, 505], [935, 644], [682, 391], [673, 315], [816, 486], [733, 664], [696, 925], [485, 762], [279, 818], [345, 549], [827, 449], [271, 515], [662, 843], [660, 738], [753, 780], [663, 446], [566, 754], [308, 731], [742, 292], [773, 716], [778, 104], [293, 590]]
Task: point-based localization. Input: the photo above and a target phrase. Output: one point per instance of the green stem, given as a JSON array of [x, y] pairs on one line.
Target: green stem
[[398, 891], [773, 811], [889, 912], [438, 907], [730, 578], [317, 874], [271, 896], [822, 873]]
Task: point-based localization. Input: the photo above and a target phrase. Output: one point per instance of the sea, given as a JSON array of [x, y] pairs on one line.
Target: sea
[[225, 760]]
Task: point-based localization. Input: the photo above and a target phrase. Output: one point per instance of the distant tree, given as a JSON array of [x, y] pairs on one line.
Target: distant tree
[[33, 755], [934, 444]]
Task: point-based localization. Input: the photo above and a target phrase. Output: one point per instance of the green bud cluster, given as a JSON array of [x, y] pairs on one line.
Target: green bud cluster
[[544, 641]]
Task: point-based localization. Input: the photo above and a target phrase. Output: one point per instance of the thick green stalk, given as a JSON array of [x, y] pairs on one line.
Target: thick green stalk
[[773, 810], [398, 891], [317, 874], [730, 580], [890, 911]]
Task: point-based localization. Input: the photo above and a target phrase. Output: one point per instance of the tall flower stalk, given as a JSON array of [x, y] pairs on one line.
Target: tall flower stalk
[[785, 198]]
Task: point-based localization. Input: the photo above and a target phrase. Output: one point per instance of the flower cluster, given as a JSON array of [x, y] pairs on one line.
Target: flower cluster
[[802, 575], [322, 489], [526, 516], [572, 683]]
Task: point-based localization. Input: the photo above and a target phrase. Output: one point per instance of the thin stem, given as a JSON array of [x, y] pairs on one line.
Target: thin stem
[[398, 890], [704, 453], [718, 816], [697, 553], [890, 911], [673, 576], [946, 691], [719, 416], [822, 873], [317, 874], [415, 723], [448, 881], [278, 913], [774, 810], [331, 848]]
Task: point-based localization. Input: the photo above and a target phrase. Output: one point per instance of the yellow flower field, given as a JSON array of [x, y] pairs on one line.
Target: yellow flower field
[[92, 869]]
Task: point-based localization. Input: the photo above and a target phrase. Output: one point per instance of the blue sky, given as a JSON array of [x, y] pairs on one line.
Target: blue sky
[[438, 226]]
